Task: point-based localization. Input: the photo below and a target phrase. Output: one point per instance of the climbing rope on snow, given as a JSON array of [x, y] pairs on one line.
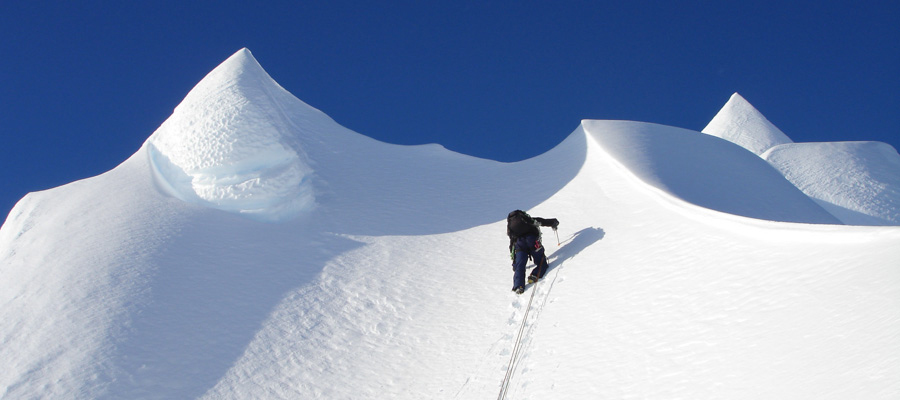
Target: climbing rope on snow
[[517, 348], [514, 357]]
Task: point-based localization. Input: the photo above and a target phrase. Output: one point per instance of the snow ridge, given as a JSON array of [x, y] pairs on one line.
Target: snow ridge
[[686, 267], [705, 172]]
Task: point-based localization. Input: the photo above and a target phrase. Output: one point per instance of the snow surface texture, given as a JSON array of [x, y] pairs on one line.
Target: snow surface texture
[[859, 182], [666, 284], [228, 145], [739, 122]]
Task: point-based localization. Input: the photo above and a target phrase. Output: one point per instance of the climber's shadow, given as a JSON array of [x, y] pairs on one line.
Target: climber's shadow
[[573, 245]]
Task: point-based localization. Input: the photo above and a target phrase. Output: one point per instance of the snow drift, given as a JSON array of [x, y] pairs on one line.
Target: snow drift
[[682, 270]]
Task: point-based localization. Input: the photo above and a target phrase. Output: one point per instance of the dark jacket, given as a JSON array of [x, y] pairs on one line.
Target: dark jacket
[[520, 224]]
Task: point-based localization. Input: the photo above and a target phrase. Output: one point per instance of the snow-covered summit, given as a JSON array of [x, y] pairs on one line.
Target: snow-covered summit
[[680, 269], [229, 146], [739, 122]]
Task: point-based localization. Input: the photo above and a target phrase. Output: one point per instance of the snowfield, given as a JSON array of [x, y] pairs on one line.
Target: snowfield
[[254, 248]]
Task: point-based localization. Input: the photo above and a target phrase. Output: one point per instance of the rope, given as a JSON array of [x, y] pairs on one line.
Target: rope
[[517, 348], [514, 358]]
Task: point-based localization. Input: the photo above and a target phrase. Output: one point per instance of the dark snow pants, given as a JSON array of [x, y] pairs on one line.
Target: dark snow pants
[[528, 246]]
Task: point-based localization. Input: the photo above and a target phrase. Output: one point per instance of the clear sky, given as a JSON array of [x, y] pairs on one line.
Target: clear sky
[[85, 83]]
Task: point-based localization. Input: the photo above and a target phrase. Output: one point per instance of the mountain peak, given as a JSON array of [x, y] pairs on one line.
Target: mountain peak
[[238, 65], [226, 146], [741, 123], [396, 286]]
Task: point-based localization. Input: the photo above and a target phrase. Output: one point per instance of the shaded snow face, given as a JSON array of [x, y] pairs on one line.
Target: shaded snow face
[[226, 146]]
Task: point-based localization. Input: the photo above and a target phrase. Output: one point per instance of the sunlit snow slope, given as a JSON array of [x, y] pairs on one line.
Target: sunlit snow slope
[[254, 248], [859, 182], [203, 154], [739, 122]]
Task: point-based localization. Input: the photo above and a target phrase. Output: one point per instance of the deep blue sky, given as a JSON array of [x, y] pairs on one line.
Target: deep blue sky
[[85, 83]]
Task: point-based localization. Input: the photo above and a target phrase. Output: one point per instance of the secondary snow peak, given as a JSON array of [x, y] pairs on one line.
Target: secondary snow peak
[[739, 122], [228, 145]]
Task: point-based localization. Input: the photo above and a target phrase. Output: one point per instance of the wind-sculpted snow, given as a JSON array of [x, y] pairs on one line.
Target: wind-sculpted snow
[[240, 143], [741, 123], [705, 171], [395, 284], [859, 182], [227, 146]]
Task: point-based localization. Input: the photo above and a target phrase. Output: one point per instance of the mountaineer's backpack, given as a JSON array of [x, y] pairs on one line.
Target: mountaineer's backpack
[[519, 223]]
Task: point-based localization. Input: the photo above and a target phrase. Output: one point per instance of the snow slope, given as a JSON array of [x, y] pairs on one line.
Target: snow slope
[[202, 154], [710, 173], [741, 123], [350, 268], [859, 182]]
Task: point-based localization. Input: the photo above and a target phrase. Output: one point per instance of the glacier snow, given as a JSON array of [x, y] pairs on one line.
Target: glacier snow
[[255, 248]]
